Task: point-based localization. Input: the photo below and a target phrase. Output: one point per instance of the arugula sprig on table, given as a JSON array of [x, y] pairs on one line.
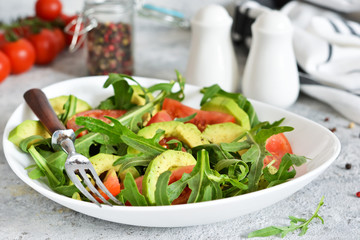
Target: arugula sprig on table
[[295, 224]]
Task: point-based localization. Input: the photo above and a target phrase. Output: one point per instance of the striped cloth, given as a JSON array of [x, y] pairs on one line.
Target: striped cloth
[[327, 50]]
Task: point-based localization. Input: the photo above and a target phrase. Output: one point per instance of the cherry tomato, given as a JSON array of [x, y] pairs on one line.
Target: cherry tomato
[[45, 46], [97, 113], [48, 9], [2, 39], [60, 39], [21, 54], [203, 118], [278, 145], [5, 66], [161, 116]]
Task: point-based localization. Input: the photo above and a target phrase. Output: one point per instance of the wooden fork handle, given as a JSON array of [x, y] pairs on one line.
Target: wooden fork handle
[[40, 105]]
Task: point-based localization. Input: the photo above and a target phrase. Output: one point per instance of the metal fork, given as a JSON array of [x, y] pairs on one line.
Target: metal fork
[[76, 165]]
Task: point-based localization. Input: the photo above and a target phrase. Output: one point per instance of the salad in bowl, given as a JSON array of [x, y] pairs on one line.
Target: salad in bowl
[[150, 149]]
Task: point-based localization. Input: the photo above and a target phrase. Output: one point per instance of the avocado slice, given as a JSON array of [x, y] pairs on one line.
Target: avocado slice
[[26, 129], [58, 102], [138, 99], [186, 132], [167, 160], [33, 127], [103, 162], [229, 106], [223, 132]]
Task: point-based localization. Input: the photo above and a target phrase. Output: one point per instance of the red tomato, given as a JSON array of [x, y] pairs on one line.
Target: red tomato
[[48, 9], [203, 118], [278, 145], [21, 54], [97, 113], [45, 45], [5, 66], [161, 116], [111, 182], [60, 39]]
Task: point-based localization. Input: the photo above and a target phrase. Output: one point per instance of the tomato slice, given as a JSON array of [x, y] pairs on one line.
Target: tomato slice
[[161, 116], [112, 184], [97, 113], [203, 118], [278, 145]]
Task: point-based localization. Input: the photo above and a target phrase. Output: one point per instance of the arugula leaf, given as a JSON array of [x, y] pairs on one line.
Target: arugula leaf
[[122, 92], [24, 144], [215, 90], [186, 119], [118, 133], [131, 192], [133, 160], [215, 152], [167, 87], [70, 109], [283, 173], [257, 137], [43, 166], [161, 197], [36, 173], [203, 181], [283, 231], [235, 146]]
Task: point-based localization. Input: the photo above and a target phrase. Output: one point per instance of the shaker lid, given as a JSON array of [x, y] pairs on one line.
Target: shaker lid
[[273, 22], [212, 15]]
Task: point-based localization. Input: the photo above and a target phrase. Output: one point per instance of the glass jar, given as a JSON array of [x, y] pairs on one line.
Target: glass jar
[[109, 43]]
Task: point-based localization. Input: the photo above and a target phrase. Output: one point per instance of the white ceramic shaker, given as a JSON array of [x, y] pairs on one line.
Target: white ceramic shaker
[[270, 73], [212, 57]]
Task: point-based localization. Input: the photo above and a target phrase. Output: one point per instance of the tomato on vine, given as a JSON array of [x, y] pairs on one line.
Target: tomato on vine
[[45, 45], [21, 54], [5, 66], [48, 10]]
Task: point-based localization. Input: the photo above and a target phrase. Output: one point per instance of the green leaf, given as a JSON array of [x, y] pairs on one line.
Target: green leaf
[[215, 90], [161, 197], [283, 231], [265, 232], [185, 119], [43, 166], [36, 173], [283, 174], [199, 180], [235, 146], [216, 153], [69, 109], [122, 92], [24, 144], [264, 134], [133, 160], [131, 192], [67, 190]]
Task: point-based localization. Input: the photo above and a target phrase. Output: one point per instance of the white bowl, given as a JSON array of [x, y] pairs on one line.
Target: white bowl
[[308, 139]]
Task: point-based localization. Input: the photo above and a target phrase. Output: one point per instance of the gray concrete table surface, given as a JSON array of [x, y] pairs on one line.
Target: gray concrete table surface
[[25, 214]]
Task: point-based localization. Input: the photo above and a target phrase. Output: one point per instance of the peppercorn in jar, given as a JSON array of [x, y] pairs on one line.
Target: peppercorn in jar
[[109, 42]]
